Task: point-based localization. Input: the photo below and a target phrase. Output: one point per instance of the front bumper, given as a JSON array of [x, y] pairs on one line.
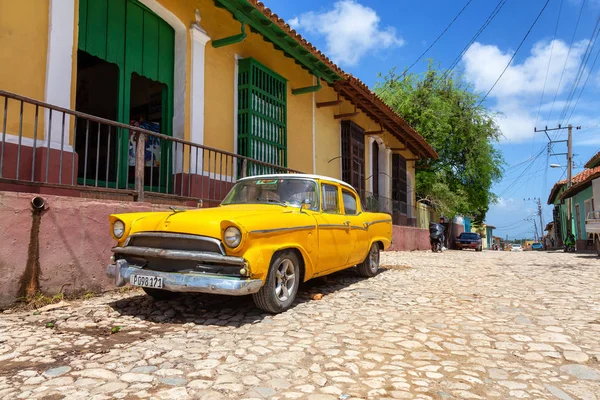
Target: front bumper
[[467, 245], [179, 282]]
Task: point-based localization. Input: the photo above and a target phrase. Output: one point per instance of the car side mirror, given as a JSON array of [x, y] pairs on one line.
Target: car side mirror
[[305, 205]]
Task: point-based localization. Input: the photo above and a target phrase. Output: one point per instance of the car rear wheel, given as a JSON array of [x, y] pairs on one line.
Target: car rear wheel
[[280, 289], [158, 294], [370, 265]]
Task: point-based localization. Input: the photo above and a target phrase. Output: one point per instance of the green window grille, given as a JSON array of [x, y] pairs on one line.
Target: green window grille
[[262, 115]]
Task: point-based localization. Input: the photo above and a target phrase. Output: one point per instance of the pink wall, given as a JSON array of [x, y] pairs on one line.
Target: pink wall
[[74, 243], [409, 238]]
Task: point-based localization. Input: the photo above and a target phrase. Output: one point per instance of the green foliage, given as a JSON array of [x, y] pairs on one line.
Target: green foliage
[[446, 111]]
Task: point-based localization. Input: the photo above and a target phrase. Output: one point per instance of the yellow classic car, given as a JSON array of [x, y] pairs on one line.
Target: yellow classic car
[[268, 234]]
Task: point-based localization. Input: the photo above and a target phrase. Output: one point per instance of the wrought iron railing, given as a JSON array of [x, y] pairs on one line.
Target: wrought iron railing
[[401, 212], [42, 144]]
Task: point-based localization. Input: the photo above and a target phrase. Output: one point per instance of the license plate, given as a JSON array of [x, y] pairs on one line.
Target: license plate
[[155, 282]]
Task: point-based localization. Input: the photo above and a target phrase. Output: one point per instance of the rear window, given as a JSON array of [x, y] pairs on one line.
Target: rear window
[[468, 236]]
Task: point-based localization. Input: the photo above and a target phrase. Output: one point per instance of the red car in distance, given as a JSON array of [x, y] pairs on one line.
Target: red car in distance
[[469, 240]]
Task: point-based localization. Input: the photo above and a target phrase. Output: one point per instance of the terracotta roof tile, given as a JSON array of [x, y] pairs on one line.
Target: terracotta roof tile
[[418, 141], [295, 35], [594, 160], [580, 180]]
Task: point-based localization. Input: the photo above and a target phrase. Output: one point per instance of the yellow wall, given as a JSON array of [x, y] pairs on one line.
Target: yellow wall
[[23, 48], [24, 25]]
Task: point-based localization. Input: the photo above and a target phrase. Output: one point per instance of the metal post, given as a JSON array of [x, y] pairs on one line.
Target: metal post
[[139, 166], [539, 201], [569, 176], [244, 165]]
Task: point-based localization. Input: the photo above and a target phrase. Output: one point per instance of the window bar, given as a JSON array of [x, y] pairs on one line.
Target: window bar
[[168, 166], [160, 165], [175, 170], [35, 128], [209, 151], [189, 191], [20, 138], [107, 155], [215, 176], [98, 154], [128, 156], [48, 147], [73, 151], [182, 166], [85, 158], [3, 135], [220, 175], [118, 137], [196, 170], [149, 140], [226, 168], [202, 177], [62, 141]]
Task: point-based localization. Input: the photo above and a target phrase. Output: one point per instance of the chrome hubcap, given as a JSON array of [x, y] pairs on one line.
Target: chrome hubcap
[[374, 258], [285, 280]]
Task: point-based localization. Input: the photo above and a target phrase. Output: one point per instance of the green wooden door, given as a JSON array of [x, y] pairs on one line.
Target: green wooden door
[[128, 34]]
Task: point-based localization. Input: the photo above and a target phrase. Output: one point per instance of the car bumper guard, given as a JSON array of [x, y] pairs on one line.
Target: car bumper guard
[[179, 282]]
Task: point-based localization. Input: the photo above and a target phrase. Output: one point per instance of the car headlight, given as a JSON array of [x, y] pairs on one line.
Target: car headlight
[[118, 229], [232, 237]]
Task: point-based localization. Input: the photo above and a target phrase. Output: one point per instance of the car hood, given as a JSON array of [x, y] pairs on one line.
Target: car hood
[[205, 222]]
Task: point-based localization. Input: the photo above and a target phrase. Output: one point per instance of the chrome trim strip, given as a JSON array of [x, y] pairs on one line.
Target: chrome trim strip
[[178, 255], [177, 282], [379, 221], [334, 226], [170, 235], [299, 228]]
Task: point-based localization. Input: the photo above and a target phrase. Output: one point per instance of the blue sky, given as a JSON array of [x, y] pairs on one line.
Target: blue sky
[[367, 37]]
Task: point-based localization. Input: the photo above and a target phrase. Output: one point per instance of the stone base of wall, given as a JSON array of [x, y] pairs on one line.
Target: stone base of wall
[[64, 248], [407, 238]]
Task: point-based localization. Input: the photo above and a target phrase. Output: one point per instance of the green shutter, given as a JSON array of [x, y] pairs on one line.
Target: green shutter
[[262, 114], [128, 34]]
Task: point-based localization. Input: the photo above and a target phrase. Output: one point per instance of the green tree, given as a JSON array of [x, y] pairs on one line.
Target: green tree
[[447, 112]]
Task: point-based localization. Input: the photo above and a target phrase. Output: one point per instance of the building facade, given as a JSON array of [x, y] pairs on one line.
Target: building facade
[[233, 89]]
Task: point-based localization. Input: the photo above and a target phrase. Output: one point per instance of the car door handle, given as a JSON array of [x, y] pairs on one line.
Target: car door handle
[[347, 223]]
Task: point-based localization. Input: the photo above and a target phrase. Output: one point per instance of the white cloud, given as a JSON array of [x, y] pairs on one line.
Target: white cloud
[[518, 92], [351, 30]]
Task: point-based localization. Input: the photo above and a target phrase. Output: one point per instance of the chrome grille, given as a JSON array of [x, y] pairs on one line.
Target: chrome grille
[[176, 241]]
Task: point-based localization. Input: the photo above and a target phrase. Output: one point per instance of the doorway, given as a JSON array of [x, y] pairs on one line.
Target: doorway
[[97, 94], [146, 110]]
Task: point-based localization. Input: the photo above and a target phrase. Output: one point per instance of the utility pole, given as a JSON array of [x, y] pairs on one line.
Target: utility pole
[[538, 201], [569, 155]]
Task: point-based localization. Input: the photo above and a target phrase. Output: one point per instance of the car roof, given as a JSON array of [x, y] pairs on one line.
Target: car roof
[[298, 176]]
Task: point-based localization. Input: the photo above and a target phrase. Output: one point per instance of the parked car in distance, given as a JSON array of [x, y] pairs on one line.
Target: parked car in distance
[[516, 247], [537, 246], [469, 240], [270, 233]]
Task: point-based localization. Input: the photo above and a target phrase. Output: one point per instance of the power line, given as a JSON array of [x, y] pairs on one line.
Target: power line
[[585, 59], [566, 61], [549, 63], [439, 37], [489, 19], [583, 87], [516, 51]]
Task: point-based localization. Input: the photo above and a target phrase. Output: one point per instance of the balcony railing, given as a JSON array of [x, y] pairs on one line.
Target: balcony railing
[[402, 213], [45, 145]]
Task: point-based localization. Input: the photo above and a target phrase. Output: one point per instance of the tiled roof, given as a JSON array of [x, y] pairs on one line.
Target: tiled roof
[[295, 35], [359, 93], [594, 161], [580, 181]]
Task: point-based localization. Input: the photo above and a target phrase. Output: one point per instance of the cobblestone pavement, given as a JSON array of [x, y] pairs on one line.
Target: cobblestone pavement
[[430, 326]]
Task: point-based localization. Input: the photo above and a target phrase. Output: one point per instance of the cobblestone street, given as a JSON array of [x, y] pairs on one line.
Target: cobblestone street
[[430, 326]]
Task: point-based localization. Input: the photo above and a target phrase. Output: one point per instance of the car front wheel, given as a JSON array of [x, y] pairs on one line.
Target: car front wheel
[[280, 289], [370, 265]]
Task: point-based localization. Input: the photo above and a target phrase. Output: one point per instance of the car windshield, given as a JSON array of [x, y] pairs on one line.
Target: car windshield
[[468, 236], [516, 246], [285, 191]]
